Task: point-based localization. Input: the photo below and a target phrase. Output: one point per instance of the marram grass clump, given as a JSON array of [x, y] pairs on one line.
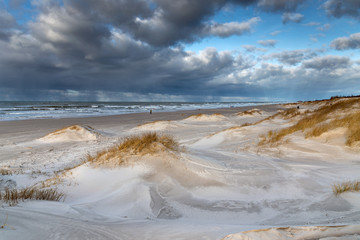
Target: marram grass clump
[[148, 143], [13, 196], [349, 186], [317, 122]]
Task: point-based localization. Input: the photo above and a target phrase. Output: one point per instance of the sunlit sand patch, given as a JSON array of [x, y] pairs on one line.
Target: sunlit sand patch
[[72, 133]]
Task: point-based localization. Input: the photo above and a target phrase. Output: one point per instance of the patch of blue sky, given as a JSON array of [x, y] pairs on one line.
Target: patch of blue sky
[[316, 30], [24, 11]]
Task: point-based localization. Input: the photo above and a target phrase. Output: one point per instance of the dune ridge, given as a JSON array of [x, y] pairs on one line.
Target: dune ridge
[[72, 133]]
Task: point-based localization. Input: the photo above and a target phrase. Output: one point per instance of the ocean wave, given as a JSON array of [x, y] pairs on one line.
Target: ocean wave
[[34, 110]]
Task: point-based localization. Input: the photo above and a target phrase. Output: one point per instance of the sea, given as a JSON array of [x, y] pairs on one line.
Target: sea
[[10, 111]]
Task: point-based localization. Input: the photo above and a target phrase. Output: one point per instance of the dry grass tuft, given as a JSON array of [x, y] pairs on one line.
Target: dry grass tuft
[[289, 113], [349, 186], [250, 112], [312, 120], [4, 171], [350, 121], [196, 116], [60, 131], [201, 115], [144, 144], [148, 143], [13, 196]]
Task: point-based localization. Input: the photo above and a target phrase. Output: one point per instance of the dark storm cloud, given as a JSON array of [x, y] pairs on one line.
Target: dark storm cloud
[[279, 5], [340, 8], [130, 49], [69, 32], [7, 23], [327, 63], [163, 22], [344, 43], [292, 17]]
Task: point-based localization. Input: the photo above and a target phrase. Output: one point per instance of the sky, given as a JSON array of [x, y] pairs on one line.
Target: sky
[[179, 50]]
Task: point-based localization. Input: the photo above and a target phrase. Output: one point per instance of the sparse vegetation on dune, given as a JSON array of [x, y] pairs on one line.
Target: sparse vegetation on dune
[[201, 115], [349, 186], [143, 144], [4, 171], [249, 112], [62, 130], [148, 143], [284, 114], [332, 99], [350, 121], [13, 196], [316, 122], [154, 122]]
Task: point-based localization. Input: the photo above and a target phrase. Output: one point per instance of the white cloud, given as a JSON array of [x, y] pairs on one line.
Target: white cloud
[[292, 17], [344, 43], [267, 43]]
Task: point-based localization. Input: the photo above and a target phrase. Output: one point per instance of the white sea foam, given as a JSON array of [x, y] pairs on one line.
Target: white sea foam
[[33, 110]]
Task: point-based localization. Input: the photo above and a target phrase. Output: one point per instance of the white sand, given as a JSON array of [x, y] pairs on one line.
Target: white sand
[[221, 184]]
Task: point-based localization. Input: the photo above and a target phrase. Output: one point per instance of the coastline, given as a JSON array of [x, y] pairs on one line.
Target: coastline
[[130, 119]]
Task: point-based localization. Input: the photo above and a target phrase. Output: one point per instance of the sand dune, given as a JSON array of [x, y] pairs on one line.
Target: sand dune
[[72, 133], [250, 113], [206, 117], [220, 173], [156, 126]]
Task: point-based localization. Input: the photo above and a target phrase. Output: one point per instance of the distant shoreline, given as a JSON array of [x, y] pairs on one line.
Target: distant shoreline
[[12, 111], [132, 119]]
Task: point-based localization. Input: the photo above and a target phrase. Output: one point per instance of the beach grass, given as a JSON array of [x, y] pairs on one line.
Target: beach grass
[[4, 171], [316, 122], [147, 143], [13, 196], [349, 186], [249, 112], [202, 115]]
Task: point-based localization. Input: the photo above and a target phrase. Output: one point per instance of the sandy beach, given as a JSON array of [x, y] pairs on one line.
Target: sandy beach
[[220, 174]]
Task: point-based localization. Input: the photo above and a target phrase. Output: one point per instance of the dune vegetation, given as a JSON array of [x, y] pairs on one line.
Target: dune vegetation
[[202, 116], [250, 112], [13, 196], [349, 186], [4, 171], [147, 143], [335, 113]]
